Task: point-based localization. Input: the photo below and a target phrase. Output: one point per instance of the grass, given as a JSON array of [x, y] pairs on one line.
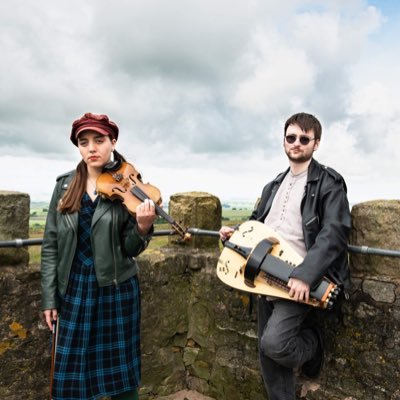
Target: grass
[[34, 251], [231, 215]]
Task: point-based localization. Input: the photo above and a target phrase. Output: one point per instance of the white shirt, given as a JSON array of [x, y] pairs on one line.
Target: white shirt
[[285, 216]]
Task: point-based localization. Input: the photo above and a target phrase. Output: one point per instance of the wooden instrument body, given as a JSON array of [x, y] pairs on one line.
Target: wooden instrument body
[[231, 265], [122, 181]]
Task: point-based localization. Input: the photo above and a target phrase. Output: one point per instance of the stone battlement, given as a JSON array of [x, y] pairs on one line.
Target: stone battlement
[[198, 334]]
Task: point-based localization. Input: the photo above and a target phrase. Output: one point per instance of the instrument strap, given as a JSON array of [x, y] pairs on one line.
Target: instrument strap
[[254, 262]]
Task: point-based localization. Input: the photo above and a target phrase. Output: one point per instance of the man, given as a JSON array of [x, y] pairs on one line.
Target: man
[[307, 205]]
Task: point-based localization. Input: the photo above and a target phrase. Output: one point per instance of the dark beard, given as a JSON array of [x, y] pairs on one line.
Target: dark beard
[[301, 159]]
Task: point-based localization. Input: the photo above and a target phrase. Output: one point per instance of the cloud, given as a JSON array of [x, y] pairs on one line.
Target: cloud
[[201, 86], [180, 40], [280, 76]]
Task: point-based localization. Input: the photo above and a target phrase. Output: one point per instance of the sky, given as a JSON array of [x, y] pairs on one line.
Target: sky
[[201, 89]]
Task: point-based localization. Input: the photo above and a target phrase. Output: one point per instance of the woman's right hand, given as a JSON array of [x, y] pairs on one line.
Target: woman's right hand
[[145, 216], [50, 316], [225, 232]]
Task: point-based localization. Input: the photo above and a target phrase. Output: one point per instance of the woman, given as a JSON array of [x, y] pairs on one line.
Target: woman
[[89, 274]]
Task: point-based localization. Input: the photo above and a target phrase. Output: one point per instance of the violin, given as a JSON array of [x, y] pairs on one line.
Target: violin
[[120, 180]]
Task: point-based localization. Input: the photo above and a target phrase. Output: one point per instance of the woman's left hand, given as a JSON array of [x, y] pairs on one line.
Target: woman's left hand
[[145, 216]]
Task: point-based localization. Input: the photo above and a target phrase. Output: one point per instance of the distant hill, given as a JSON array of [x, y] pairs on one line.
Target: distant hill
[[232, 210], [39, 204], [238, 204], [243, 204]]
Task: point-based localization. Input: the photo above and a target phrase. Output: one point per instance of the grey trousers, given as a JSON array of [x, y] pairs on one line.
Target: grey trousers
[[284, 344]]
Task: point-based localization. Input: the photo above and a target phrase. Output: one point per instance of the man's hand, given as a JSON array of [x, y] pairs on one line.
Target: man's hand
[[225, 232], [299, 290]]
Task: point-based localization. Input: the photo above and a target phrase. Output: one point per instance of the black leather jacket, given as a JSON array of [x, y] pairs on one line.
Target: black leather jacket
[[326, 222], [115, 242]]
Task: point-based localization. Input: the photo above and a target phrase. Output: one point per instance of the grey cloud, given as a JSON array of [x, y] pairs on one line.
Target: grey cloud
[[165, 71], [182, 40]]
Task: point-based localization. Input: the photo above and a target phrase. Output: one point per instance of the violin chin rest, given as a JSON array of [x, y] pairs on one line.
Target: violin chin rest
[[113, 165]]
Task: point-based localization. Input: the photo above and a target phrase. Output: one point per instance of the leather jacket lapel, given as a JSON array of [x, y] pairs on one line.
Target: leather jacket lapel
[[101, 208], [275, 186]]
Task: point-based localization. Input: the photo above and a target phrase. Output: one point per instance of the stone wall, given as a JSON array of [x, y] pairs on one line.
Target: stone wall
[[198, 333], [371, 348], [14, 223]]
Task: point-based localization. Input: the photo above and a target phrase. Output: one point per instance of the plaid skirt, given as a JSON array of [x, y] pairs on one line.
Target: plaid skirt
[[98, 340], [98, 346]]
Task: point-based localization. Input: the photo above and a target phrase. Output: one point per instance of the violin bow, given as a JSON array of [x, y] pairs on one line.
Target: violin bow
[[54, 337]]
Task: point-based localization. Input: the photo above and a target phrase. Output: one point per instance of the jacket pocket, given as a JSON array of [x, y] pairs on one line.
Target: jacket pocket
[[312, 222], [312, 228]]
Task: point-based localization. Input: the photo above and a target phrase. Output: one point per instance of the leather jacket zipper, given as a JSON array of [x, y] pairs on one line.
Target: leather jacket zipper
[[114, 221], [70, 223]]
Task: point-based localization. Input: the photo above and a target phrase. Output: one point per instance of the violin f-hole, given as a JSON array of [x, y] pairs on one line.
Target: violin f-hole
[[132, 178], [116, 188]]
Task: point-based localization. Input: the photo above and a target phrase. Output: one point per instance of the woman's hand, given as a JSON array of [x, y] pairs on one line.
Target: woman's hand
[[145, 216], [50, 316]]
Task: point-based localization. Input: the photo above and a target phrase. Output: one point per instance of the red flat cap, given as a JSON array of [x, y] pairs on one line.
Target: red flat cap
[[94, 122]]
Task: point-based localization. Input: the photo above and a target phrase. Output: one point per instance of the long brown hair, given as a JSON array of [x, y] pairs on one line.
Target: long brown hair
[[71, 201]]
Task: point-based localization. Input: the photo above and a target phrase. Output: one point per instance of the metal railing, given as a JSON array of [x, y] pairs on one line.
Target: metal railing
[[203, 232]]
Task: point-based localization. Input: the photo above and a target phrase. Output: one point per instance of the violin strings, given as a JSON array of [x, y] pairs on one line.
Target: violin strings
[[142, 196]]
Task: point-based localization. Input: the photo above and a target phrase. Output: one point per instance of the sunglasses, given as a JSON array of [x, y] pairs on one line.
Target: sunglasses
[[304, 140]]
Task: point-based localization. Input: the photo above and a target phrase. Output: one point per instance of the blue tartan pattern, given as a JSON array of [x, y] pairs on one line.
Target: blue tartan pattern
[[98, 348]]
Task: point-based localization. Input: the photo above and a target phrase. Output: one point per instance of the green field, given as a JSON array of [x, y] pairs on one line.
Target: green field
[[234, 216], [233, 213], [37, 216]]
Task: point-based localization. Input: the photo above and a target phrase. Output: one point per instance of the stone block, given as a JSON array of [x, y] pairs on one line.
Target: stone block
[[376, 224], [14, 224], [197, 210], [383, 292]]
